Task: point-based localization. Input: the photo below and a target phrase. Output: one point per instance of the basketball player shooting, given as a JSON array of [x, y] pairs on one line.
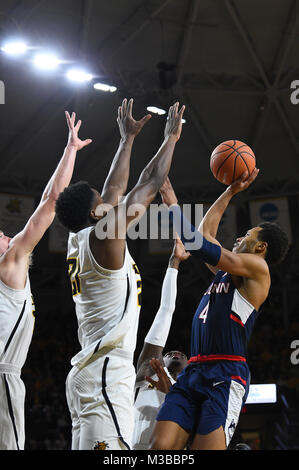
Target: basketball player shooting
[[106, 287], [205, 402], [16, 304], [149, 393]]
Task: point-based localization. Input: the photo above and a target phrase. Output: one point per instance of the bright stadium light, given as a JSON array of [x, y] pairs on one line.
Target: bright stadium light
[[78, 75], [14, 48], [46, 61], [155, 110], [104, 87]]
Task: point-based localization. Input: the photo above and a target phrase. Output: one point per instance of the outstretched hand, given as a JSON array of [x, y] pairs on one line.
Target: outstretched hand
[[126, 122], [243, 182], [163, 383], [73, 139], [174, 121], [179, 252]]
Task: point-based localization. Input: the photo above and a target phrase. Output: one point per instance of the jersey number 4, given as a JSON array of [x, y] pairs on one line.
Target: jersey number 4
[[204, 313], [73, 271]]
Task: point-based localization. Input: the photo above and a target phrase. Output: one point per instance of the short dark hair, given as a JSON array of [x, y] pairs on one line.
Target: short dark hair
[[73, 206], [277, 241]]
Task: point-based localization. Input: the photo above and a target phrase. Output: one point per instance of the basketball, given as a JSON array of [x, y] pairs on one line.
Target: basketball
[[230, 160]]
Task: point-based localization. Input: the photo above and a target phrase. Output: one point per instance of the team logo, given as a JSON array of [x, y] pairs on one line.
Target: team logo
[[101, 445]]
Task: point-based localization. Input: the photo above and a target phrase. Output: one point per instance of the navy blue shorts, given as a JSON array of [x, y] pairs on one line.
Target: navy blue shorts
[[207, 396]]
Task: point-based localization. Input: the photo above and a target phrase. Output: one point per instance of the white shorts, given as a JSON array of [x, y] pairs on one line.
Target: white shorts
[[100, 399], [12, 399]]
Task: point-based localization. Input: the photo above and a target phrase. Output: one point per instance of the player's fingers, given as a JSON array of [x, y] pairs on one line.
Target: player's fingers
[[68, 118], [130, 108], [124, 107], [174, 110], [150, 380], [253, 175], [145, 119], [181, 112], [241, 178], [87, 142], [78, 125]]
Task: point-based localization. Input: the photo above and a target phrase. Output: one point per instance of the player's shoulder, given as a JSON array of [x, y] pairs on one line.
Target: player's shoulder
[[255, 260]]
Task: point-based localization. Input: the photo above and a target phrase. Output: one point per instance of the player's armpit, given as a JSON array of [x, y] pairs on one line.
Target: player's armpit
[[246, 265]]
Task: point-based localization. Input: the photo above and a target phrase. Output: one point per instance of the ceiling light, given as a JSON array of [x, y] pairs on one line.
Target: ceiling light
[[154, 109], [104, 87], [80, 76], [14, 48], [46, 61]]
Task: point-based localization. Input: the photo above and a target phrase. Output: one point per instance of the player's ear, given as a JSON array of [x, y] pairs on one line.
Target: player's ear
[[93, 215], [261, 247]]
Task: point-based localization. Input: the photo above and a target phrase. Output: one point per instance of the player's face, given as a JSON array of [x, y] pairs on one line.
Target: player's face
[[176, 359], [4, 243], [247, 243]]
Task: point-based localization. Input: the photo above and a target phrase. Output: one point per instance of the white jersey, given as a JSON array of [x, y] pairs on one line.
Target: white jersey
[[16, 329], [16, 324], [148, 401], [107, 301]]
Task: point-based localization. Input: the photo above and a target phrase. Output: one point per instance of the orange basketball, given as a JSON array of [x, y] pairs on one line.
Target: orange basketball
[[230, 160]]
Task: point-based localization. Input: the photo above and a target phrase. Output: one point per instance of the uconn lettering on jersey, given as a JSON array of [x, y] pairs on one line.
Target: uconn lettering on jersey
[[218, 288]]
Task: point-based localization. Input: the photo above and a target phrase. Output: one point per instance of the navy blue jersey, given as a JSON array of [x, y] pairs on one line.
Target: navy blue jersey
[[223, 323]]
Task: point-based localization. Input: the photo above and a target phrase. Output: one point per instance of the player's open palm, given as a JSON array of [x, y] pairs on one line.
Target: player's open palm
[[127, 124], [243, 182], [74, 140], [174, 121]]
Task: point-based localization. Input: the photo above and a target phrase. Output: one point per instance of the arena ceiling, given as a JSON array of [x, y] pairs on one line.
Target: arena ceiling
[[232, 63]]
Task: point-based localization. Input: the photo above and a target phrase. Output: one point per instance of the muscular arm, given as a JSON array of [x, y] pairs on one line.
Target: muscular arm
[[116, 182], [14, 264], [109, 252]]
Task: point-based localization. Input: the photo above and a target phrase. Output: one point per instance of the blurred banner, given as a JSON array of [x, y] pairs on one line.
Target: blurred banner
[[227, 231], [271, 210], [58, 238], [15, 210]]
